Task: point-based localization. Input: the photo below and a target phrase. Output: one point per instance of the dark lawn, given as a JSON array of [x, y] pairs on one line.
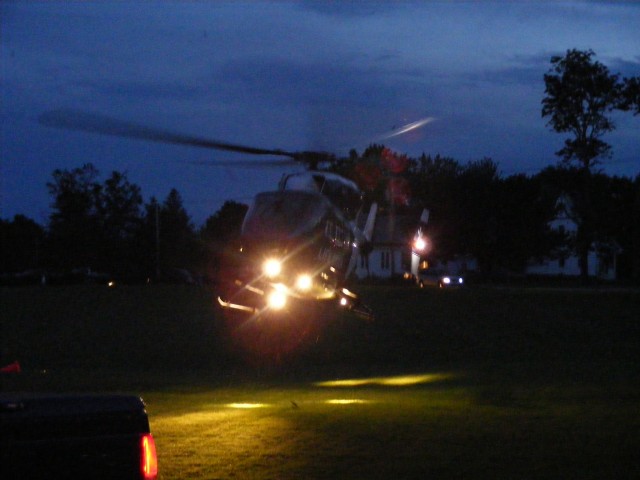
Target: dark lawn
[[512, 383]]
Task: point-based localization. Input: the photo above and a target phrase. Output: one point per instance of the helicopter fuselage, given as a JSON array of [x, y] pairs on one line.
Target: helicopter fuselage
[[296, 246]]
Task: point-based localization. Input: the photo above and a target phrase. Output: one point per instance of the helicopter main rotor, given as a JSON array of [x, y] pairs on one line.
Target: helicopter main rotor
[[70, 119]]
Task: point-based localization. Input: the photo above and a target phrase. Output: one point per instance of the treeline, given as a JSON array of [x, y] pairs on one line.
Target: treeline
[[502, 221], [99, 230]]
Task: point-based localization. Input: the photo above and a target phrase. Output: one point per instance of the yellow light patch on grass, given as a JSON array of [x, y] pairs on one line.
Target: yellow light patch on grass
[[222, 443], [246, 406], [346, 401], [396, 381]]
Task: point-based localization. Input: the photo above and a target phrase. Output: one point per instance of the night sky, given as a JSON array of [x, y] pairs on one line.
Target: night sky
[[291, 75]]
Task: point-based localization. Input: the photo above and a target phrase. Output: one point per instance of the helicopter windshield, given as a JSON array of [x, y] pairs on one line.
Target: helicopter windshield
[[340, 191], [278, 215]]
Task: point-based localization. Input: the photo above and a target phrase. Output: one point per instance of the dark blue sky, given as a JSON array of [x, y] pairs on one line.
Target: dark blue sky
[[291, 75]]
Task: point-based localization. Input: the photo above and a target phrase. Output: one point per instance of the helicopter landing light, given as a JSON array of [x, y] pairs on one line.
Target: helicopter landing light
[[348, 293], [277, 299], [304, 283], [272, 267]]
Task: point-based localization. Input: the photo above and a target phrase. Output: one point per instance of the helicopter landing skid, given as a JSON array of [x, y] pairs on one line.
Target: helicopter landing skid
[[345, 301], [236, 306]]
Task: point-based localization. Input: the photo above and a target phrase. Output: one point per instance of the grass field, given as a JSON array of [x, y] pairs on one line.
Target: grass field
[[477, 383]]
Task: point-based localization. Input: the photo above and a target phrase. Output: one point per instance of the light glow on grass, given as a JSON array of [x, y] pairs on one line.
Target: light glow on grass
[[397, 381], [346, 401], [246, 406]]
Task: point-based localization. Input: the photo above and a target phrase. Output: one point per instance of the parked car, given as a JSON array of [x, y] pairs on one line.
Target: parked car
[[438, 278]]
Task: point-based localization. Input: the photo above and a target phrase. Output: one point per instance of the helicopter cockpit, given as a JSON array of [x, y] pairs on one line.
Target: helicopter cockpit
[[340, 191], [283, 215]]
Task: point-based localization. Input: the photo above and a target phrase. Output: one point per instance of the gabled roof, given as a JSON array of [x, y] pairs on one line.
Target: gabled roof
[[394, 229]]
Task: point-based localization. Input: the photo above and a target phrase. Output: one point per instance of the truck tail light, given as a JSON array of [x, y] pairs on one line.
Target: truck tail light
[[148, 457]]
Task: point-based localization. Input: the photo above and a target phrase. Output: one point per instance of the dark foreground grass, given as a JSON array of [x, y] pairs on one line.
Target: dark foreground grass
[[506, 383]]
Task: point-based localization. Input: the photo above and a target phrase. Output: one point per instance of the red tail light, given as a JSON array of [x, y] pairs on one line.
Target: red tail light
[[148, 457]]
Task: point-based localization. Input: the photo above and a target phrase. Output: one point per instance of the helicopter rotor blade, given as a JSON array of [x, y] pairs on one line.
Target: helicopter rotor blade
[[101, 124], [244, 163], [406, 128]]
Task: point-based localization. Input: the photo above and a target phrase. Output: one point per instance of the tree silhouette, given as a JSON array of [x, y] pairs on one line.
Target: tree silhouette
[[178, 243], [74, 223], [92, 225], [631, 95], [580, 95], [22, 245], [120, 216], [220, 234]]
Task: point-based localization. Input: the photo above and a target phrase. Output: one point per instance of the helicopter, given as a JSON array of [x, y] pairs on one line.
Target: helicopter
[[298, 244]]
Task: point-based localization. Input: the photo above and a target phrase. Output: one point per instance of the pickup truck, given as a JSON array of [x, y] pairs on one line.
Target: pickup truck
[[96, 436]]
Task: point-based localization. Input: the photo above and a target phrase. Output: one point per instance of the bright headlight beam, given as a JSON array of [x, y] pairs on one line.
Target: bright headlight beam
[[277, 299], [272, 267], [304, 282]]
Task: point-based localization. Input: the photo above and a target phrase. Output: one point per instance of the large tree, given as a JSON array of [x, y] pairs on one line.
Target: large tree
[[120, 215], [74, 223], [631, 95], [177, 235], [478, 209], [580, 96], [93, 225]]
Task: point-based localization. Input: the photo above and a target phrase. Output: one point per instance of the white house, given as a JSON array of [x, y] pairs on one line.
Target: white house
[[602, 259], [391, 241]]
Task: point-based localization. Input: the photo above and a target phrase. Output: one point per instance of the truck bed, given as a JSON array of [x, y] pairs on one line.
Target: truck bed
[[72, 436]]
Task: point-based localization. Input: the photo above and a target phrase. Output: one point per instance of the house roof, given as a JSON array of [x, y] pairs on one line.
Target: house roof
[[395, 229]]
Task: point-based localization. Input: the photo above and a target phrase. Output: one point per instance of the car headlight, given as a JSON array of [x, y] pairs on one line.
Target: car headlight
[[272, 267], [446, 280]]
